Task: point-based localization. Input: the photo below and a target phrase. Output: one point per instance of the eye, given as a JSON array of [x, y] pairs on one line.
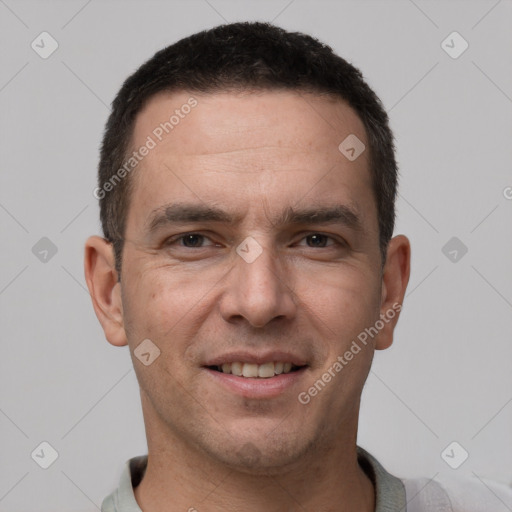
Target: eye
[[188, 240], [319, 240]]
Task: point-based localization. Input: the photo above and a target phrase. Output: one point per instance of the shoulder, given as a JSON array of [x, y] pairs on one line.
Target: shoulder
[[109, 503], [457, 494]]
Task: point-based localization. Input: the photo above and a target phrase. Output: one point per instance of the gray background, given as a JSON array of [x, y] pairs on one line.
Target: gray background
[[447, 377]]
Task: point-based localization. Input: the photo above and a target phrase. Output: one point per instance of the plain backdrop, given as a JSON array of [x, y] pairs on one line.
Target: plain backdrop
[[448, 375]]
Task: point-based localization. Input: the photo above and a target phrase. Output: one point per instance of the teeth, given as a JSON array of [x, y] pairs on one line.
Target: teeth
[[236, 369], [266, 370], [252, 370]]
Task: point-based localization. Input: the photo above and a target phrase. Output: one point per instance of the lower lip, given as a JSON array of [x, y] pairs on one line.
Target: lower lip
[[258, 388]]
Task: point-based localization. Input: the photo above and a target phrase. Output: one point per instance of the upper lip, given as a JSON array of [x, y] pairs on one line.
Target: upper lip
[[256, 358]]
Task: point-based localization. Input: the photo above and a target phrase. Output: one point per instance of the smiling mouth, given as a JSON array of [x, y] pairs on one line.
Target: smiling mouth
[[256, 371]]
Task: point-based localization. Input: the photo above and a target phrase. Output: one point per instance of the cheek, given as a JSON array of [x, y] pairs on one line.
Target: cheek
[[168, 311], [163, 301], [345, 300]]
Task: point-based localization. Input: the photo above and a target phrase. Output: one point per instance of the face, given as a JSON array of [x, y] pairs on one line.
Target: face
[[252, 262]]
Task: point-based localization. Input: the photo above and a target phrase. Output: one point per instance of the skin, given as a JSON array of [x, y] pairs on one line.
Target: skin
[[253, 155]]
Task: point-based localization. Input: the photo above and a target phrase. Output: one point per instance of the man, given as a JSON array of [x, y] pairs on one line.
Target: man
[[247, 184]]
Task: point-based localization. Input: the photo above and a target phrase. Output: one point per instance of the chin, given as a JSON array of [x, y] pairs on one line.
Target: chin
[[265, 455]]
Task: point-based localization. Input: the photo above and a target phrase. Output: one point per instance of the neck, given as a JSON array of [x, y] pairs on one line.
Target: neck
[[181, 478]]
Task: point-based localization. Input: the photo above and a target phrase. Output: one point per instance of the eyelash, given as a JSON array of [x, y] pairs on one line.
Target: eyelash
[[171, 241]]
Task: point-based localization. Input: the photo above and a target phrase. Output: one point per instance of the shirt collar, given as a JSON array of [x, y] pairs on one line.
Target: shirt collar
[[389, 490]]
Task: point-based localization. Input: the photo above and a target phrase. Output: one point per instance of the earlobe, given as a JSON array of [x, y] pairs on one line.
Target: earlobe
[[104, 288], [394, 284]]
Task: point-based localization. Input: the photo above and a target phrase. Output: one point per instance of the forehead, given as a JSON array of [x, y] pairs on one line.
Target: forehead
[[272, 148], [304, 119]]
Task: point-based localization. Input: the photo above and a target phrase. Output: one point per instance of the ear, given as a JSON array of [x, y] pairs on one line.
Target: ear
[[394, 283], [104, 288]]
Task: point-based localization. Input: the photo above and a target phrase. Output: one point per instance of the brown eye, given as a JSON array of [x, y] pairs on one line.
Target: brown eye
[[192, 240], [317, 240], [188, 240]]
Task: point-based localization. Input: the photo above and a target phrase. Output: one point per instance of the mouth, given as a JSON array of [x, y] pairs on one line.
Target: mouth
[[256, 371], [260, 377]]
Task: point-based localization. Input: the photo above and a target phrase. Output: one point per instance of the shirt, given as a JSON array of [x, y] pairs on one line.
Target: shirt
[[392, 494]]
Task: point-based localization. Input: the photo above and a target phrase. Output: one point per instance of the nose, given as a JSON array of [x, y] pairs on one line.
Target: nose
[[258, 291]]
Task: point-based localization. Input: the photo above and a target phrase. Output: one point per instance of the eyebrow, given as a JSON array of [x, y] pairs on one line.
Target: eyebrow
[[189, 213]]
